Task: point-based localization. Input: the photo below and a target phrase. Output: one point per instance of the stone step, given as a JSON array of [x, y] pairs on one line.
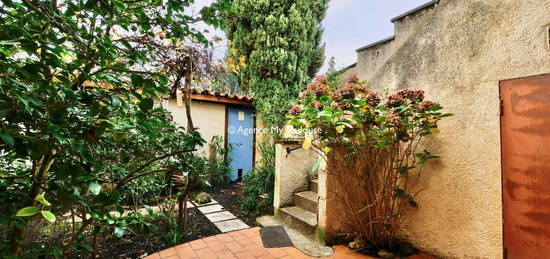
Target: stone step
[[306, 200], [299, 219], [315, 185]]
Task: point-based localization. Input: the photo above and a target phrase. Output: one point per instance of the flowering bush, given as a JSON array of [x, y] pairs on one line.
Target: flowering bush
[[371, 144], [341, 114]]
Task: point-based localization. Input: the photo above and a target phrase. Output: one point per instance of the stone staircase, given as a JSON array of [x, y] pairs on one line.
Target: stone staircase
[[303, 215]]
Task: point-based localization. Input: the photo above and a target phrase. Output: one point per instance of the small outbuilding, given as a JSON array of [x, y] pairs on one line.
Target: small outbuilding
[[231, 117]]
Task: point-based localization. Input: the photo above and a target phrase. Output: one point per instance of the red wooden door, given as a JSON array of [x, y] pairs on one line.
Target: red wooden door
[[525, 136]]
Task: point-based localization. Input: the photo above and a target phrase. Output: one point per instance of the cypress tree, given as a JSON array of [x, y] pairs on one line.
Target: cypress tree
[[280, 41]]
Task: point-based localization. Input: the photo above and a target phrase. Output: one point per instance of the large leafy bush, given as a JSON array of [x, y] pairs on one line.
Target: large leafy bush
[[78, 122]]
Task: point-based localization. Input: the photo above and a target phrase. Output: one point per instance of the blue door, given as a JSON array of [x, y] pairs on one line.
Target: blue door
[[240, 137]]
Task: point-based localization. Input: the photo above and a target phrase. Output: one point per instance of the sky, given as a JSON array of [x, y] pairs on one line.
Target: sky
[[349, 25]]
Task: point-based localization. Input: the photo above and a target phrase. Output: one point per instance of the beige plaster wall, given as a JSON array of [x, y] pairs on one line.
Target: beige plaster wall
[[292, 172], [458, 56], [208, 117], [371, 59]]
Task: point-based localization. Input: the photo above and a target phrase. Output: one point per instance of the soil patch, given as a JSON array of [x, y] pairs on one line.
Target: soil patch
[[158, 236]]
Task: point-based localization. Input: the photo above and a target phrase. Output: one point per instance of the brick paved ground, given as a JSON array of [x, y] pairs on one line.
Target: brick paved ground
[[246, 244]]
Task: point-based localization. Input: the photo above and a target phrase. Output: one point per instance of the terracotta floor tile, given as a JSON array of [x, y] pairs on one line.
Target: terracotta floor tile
[[257, 240], [245, 255], [172, 257], [226, 255], [234, 247], [256, 250], [198, 244], [210, 239], [251, 232], [267, 256], [235, 234], [185, 251], [338, 255], [216, 246], [153, 256], [360, 256], [277, 252], [224, 238], [342, 249], [230, 246], [168, 252], [243, 240], [206, 253]]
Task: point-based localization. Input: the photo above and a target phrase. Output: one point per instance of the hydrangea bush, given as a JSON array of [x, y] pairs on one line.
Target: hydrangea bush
[[372, 144]]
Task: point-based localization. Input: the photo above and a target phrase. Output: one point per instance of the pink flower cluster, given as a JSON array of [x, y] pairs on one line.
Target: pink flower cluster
[[295, 110], [346, 92], [411, 94], [393, 119], [372, 98], [426, 105], [394, 100]]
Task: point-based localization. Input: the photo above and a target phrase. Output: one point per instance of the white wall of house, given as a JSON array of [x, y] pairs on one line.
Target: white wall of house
[[208, 117]]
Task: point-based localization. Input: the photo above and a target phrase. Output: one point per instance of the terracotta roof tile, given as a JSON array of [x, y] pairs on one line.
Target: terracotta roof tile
[[218, 94]]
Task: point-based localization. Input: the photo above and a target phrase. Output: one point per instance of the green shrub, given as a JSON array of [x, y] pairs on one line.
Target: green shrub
[[218, 163], [258, 186]]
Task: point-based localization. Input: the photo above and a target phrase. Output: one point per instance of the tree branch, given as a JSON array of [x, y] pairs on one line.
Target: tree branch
[[140, 175], [125, 179]]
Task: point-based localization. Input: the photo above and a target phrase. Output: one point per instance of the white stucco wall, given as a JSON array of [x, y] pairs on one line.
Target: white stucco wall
[[208, 117]]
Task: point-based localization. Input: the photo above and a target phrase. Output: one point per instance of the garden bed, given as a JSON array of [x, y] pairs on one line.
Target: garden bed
[[230, 198], [131, 245]]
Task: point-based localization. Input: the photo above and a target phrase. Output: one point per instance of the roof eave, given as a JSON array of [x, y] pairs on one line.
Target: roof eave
[[376, 43], [415, 10]]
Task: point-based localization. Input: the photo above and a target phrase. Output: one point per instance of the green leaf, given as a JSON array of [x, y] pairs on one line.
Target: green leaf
[[146, 104], [40, 198], [27, 211], [119, 232], [8, 139], [58, 252], [148, 209], [380, 119], [163, 80], [340, 128], [137, 79], [436, 107], [95, 188], [115, 101], [327, 149], [48, 215], [400, 193], [413, 203]]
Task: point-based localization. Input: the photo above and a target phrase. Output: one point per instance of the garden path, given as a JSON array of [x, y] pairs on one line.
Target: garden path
[[224, 220]]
